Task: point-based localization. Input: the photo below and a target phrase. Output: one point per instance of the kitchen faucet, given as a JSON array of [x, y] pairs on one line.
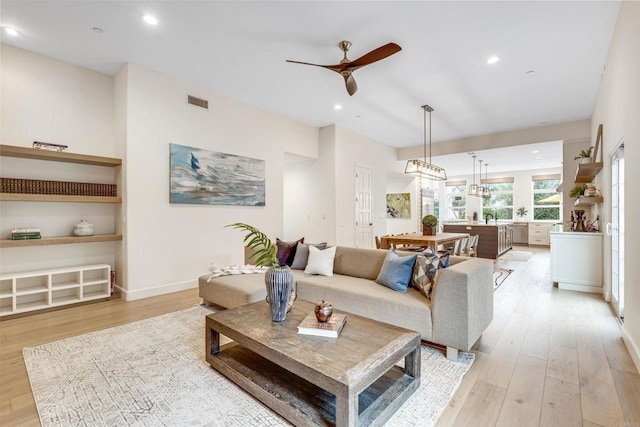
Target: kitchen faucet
[[486, 218]]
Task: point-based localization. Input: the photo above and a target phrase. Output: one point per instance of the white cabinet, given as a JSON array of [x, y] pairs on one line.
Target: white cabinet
[[539, 233], [576, 261], [35, 290]]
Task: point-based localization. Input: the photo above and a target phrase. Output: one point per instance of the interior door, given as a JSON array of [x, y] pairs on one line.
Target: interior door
[[364, 215], [616, 230]]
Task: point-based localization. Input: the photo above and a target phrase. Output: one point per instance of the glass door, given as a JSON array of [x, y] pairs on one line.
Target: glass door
[[616, 230]]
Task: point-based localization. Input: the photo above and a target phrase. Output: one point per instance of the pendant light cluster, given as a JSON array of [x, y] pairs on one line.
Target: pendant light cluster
[[421, 168], [479, 190]]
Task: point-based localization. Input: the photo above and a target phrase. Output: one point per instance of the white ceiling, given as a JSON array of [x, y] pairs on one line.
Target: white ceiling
[[239, 49]]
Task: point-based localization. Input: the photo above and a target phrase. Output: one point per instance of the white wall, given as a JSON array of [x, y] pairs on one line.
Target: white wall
[[617, 107], [169, 245], [47, 100]]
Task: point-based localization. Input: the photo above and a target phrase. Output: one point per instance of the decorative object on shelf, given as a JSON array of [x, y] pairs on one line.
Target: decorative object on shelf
[[592, 191], [331, 328], [585, 155], [429, 224], [577, 190], [323, 311], [278, 279], [422, 168], [473, 188], [49, 146], [399, 205], [204, 177], [578, 221], [521, 212], [83, 228]]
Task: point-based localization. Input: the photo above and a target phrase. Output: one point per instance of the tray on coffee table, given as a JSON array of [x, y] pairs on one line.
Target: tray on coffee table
[[309, 380]]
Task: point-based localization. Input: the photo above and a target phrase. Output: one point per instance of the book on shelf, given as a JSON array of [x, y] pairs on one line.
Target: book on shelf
[[25, 230], [23, 236], [330, 328]]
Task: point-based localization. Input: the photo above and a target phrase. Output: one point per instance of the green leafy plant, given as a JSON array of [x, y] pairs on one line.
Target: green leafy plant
[[577, 190], [584, 154], [264, 251], [521, 211], [430, 220]]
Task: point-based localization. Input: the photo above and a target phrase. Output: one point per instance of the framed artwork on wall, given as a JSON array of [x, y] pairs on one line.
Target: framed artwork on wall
[[204, 177], [399, 205]]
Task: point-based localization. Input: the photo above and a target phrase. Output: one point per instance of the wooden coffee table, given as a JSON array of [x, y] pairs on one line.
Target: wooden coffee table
[[347, 381]]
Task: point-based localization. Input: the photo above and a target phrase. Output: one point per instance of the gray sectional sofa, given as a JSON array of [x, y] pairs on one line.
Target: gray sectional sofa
[[460, 308]]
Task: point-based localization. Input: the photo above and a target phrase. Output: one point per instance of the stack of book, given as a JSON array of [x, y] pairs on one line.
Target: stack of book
[[330, 328], [25, 233]]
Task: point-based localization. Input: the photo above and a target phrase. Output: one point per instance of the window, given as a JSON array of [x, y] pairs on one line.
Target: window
[[546, 201], [456, 199], [500, 204]]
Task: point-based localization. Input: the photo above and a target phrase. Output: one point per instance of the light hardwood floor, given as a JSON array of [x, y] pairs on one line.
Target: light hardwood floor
[[549, 357]]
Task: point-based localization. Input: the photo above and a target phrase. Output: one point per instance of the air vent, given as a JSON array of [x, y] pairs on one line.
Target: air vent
[[198, 102]]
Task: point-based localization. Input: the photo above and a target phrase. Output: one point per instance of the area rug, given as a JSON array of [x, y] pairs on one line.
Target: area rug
[[500, 275], [522, 256], [153, 373]]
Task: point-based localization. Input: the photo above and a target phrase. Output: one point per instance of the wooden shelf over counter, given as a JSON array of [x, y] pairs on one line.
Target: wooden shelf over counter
[[22, 197], [586, 172], [588, 200], [64, 240], [57, 156]]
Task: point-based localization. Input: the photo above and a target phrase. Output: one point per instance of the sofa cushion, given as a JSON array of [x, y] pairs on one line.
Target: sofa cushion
[[320, 261], [287, 251], [366, 298], [302, 254], [425, 272], [396, 271], [358, 262]]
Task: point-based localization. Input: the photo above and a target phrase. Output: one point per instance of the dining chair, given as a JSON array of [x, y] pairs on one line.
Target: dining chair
[[472, 248], [462, 250]]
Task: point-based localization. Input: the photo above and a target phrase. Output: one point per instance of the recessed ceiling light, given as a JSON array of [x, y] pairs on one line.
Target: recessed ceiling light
[[492, 60], [535, 151], [538, 158], [13, 32], [337, 107], [151, 20]]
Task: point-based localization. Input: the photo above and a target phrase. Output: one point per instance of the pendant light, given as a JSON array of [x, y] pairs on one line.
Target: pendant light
[[480, 186], [473, 188], [421, 168], [486, 193]]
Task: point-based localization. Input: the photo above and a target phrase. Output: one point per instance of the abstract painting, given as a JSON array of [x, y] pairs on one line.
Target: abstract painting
[[207, 177], [399, 205]]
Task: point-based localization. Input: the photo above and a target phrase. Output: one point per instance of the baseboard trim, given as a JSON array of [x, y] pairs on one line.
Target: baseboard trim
[[632, 346], [136, 294]]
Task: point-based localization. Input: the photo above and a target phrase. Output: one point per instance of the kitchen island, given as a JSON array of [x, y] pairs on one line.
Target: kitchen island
[[494, 240]]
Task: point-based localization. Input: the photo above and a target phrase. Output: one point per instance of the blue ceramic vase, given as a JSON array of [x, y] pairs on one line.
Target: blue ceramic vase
[[280, 291]]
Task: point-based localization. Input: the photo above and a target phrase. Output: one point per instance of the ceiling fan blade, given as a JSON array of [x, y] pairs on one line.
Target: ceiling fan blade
[[337, 68], [375, 55], [350, 82]]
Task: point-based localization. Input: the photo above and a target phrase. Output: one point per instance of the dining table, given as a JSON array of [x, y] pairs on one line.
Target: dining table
[[420, 240]]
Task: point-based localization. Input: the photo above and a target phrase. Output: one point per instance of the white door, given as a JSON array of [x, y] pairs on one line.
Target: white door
[[616, 230], [364, 216]]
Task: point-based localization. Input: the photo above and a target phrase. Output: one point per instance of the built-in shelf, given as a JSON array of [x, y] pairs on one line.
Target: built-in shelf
[[64, 240], [23, 197], [588, 200], [586, 172], [57, 156]]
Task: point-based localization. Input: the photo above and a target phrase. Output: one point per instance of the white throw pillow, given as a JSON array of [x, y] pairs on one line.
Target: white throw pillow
[[321, 261]]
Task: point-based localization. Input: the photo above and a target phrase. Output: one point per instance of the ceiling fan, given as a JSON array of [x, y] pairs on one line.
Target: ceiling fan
[[347, 67]]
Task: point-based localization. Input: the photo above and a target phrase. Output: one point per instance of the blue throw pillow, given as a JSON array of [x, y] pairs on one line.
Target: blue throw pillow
[[396, 271]]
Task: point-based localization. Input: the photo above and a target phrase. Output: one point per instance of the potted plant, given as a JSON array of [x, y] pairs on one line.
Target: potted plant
[[278, 278], [585, 155], [577, 190], [521, 212], [429, 224]]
